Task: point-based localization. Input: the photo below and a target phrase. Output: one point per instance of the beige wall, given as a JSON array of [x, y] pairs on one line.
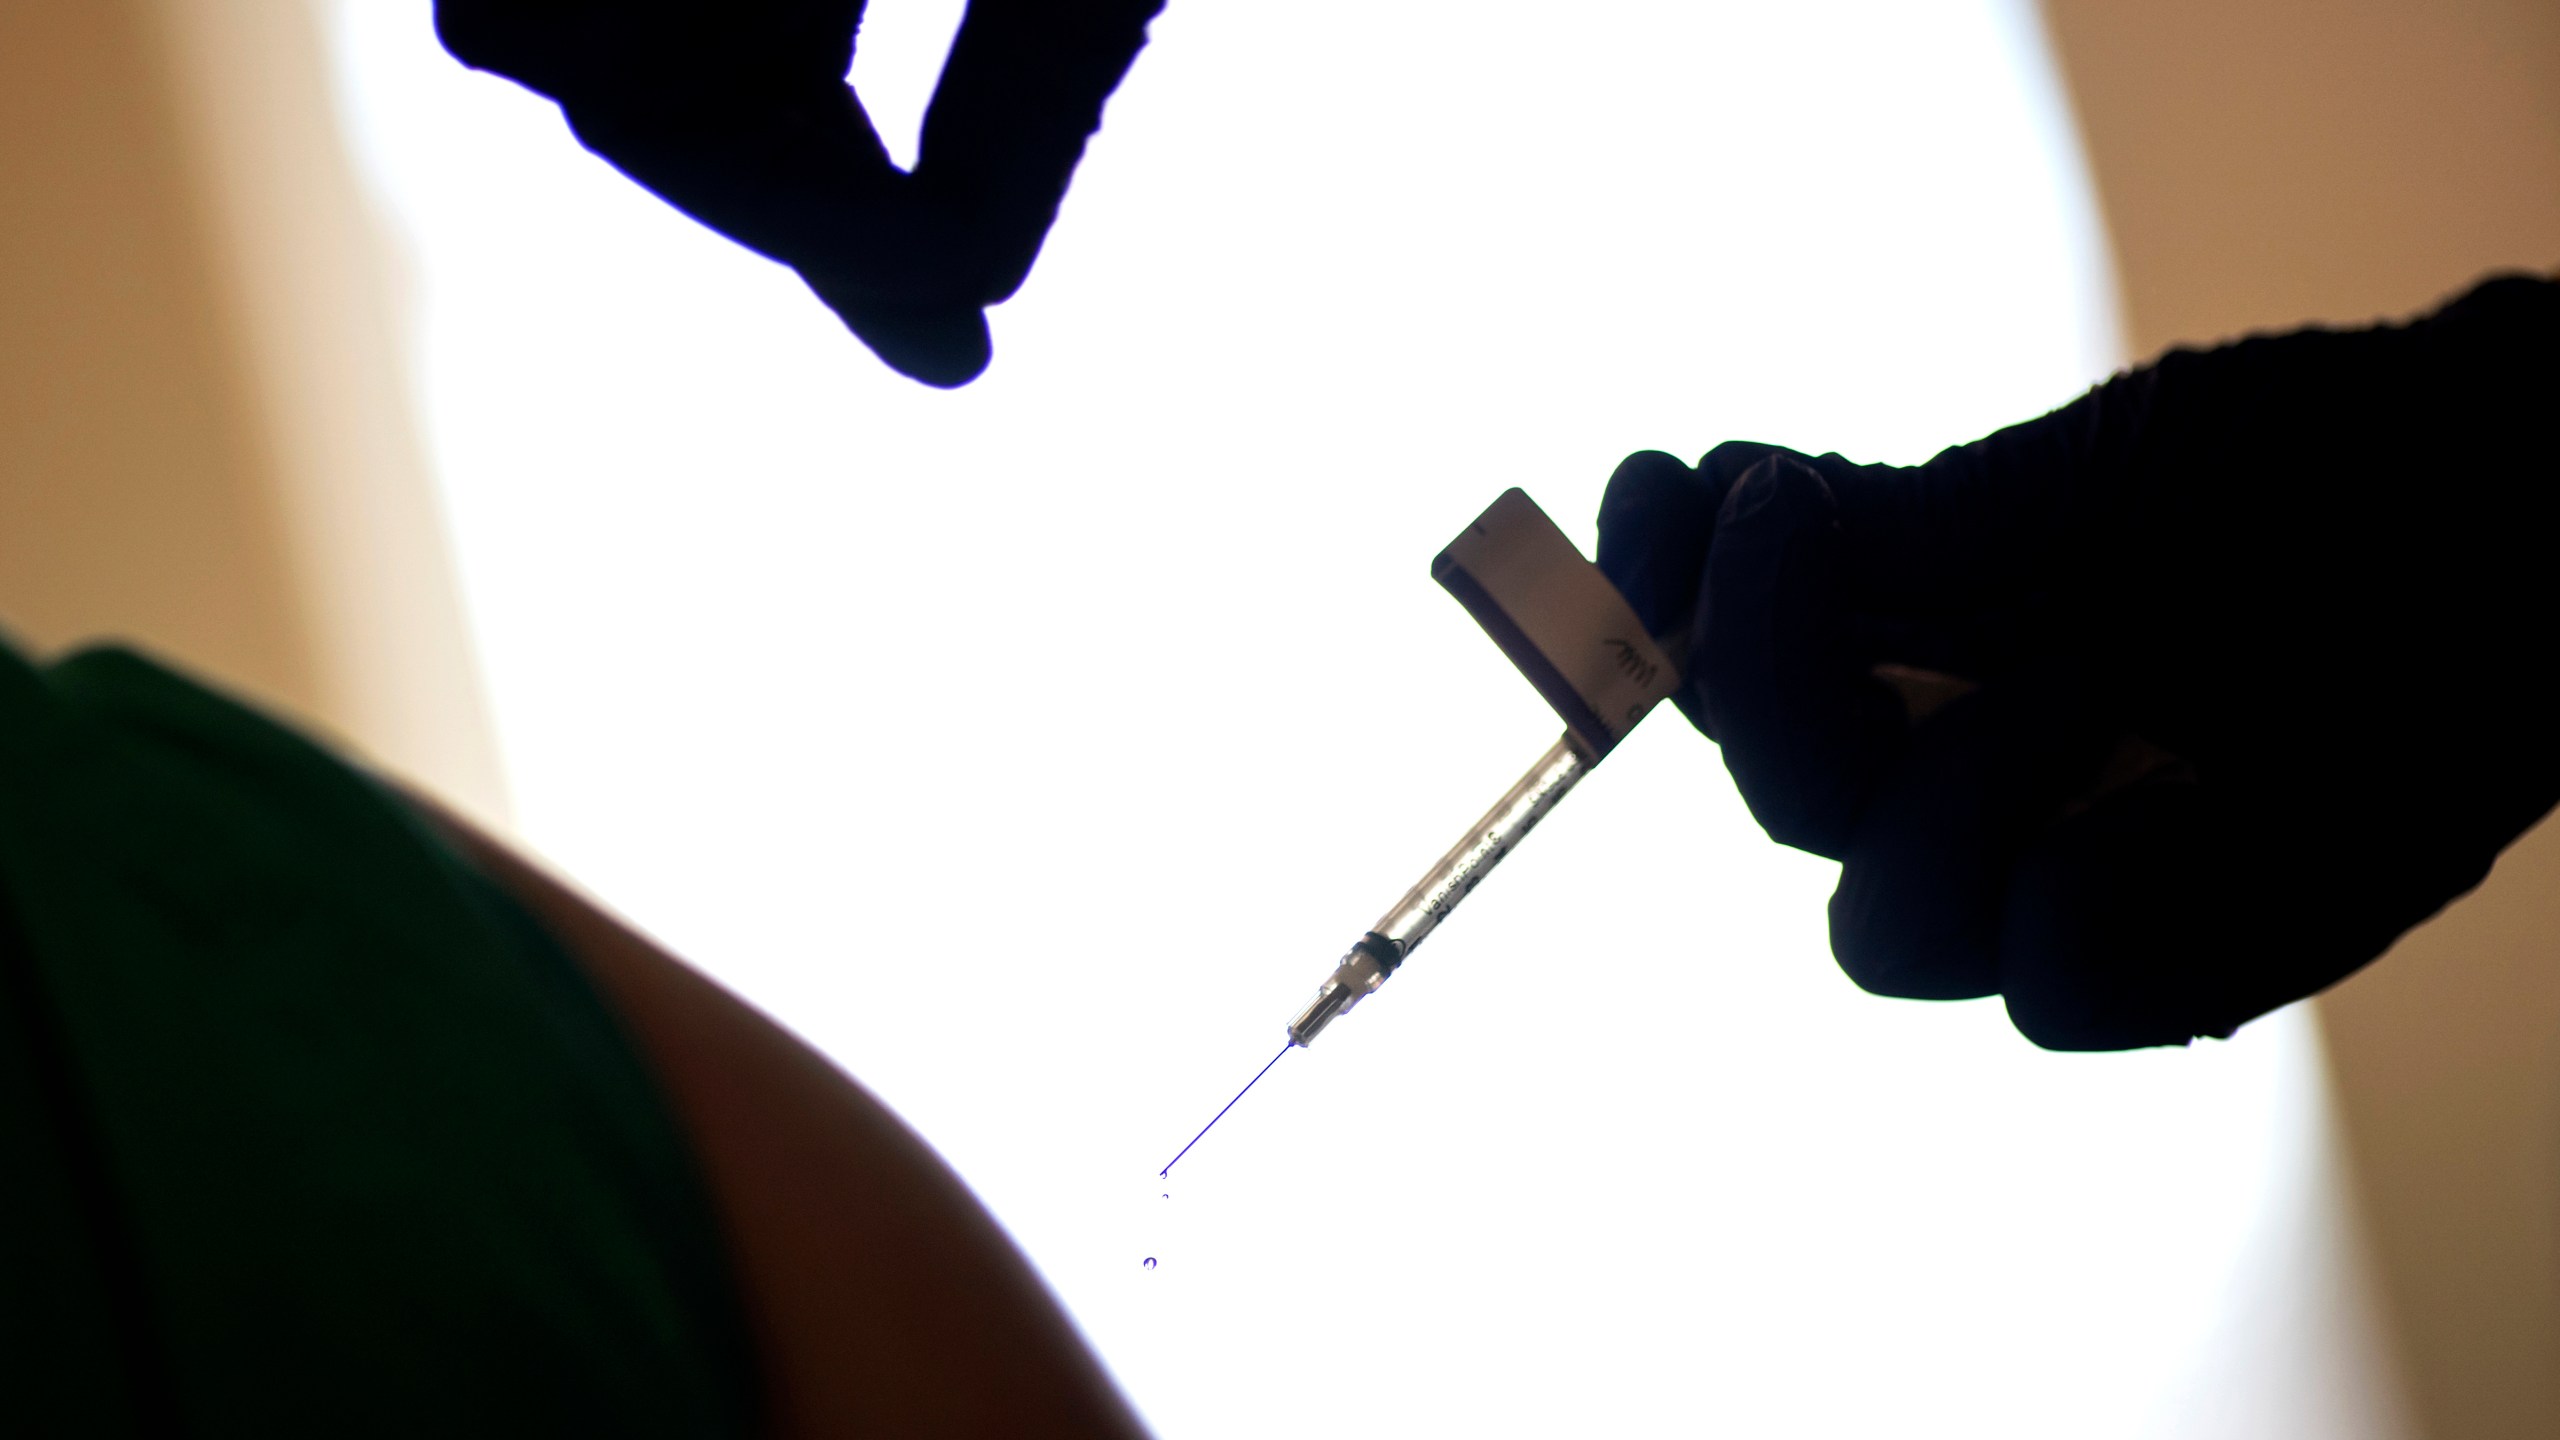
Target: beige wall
[[134, 495], [2269, 162], [205, 434]]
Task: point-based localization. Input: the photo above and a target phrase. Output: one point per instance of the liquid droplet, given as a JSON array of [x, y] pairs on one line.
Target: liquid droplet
[[1151, 1262]]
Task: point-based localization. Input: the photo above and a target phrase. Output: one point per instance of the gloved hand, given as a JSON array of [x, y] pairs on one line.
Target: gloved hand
[[737, 113], [2256, 643]]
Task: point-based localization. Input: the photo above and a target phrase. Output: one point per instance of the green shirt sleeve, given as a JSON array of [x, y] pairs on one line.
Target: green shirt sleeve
[[310, 1128]]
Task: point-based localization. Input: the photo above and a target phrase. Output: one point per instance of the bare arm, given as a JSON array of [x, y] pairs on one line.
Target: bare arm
[[885, 1299]]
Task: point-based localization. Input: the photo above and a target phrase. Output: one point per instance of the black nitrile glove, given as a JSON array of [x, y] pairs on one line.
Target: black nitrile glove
[[2260, 639], [737, 113]]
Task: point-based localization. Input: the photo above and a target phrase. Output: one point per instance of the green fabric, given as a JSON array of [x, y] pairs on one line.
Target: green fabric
[[305, 1127]]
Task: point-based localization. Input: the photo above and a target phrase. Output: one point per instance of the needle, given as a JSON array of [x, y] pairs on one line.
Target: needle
[[1230, 1105]]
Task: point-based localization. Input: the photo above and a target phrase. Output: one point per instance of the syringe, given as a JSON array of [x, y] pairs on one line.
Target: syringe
[[1376, 954], [1576, 641]]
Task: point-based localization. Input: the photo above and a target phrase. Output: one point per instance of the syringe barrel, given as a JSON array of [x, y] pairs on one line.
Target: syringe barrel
[[1577, 640], [1473, 857], [1424, 906]]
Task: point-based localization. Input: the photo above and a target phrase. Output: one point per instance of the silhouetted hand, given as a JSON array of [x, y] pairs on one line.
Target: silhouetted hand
[[737, 112], [2260, 640]]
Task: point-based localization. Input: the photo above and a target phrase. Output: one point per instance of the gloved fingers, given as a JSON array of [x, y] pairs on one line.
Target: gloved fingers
[[1805, 726], [1021, 93], [571, 48], [804, 179], [2172, 909], [1656, 518], [2132, 924], [738, 115], [1724, 466], [1917, 911], [943, 345], [1978, 645], [1980, 526]]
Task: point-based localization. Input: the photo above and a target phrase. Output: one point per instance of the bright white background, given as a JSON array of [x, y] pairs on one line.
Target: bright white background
[[1035, 749]]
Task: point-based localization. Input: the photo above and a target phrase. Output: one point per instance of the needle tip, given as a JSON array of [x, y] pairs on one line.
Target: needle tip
[[1167, 1171]]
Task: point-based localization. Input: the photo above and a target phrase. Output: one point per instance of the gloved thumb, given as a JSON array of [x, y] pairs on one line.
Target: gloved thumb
[[1655, 520]]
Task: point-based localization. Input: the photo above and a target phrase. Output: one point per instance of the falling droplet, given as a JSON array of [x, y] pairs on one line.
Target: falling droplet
[[1151, 1262]]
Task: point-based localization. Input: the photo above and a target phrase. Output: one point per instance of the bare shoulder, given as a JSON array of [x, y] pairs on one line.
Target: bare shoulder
[[885, 1299]]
